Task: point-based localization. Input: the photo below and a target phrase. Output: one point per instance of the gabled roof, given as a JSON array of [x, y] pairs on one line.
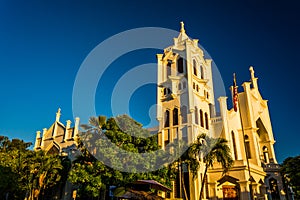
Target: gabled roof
[[227, 178]]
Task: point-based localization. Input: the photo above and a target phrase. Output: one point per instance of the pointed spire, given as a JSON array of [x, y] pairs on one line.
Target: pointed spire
[[251, 72], [182, 30], [182, 35], [253, 78], [58, 115], [37, 140]]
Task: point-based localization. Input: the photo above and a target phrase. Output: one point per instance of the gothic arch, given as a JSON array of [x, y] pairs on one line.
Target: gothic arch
[[273, 188], [262, 131], [54, 148]]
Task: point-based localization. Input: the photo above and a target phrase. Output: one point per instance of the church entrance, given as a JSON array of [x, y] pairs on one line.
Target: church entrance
[[230, 192]]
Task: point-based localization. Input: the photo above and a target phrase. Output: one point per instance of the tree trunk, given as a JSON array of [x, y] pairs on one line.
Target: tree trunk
[[202, 183], [183, 185]]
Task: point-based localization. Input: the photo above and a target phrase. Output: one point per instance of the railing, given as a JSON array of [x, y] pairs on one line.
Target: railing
[[216, 120], [270, 166]]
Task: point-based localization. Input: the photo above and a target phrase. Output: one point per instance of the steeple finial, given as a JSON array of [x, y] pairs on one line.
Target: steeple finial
[[253, 78], [58, 115], [252, 72], [182, 27]]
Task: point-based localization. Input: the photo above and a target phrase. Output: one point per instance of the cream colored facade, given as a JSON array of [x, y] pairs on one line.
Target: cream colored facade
[[185, 98], [59, 138]]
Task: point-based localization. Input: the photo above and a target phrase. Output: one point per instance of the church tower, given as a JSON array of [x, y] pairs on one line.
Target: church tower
[[185, 97], [185, 109]]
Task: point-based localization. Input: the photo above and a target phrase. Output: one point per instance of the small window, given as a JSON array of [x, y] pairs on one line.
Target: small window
[[197, 88], [195, 67], [196, 115], [206, 121], [266, 154], [194, 85], [201, 72], [167, 91], [201, 118], [179, 86], [175, 116], [167, 118], [180, 65], [169, 68], [184, 85], [247, 147], [234, 145]]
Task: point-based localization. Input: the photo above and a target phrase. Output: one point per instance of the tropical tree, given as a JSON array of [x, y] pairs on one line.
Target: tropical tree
[[24, 172], [291, 174], [104, 139], [209, 150]]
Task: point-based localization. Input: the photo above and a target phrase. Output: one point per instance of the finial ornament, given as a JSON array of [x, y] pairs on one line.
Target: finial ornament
[[182, 27], [58, 115], [252, 72]]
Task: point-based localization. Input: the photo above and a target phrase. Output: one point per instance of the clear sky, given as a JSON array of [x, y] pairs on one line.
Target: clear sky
[[43, 44]]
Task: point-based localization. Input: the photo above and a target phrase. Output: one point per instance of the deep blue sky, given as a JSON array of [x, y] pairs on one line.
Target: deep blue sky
[[43, 43]]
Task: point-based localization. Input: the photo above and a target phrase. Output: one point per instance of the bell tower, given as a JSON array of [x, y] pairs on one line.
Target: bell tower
[[185, 96]]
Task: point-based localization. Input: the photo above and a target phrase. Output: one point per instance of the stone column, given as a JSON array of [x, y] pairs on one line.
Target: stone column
[[244, 190]]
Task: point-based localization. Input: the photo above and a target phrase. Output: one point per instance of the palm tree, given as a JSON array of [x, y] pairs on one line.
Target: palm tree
[[210, 150]]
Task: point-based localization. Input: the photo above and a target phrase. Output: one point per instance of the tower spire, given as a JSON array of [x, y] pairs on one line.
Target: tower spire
[[251, 72], [58, 115], [253, 78], [182, 35], [182, 30]]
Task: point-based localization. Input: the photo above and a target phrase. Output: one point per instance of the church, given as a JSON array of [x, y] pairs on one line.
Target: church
[[186, 108]]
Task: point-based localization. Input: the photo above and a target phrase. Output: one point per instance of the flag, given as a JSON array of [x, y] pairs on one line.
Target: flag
[[234, 94]]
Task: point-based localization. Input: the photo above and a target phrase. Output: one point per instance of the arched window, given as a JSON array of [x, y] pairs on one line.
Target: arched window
[[202, 72], [184, 114], [196, 115], [273, 185], [206, 120], [194, 85], [167, 91], [247, 146], [167, 118], [169, 68], [175, 116], [197, 88], [234, 145], [180, 65], [195, 67], [266, 154], [184, 84], [179, 86], [201, 118]]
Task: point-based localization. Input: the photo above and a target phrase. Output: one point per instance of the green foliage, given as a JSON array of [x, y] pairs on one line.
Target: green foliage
[[25, 171], [291, 174], [109, 139], [210, 150]]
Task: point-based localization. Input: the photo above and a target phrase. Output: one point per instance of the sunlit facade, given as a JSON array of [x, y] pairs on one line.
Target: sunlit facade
[[186, 109]]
